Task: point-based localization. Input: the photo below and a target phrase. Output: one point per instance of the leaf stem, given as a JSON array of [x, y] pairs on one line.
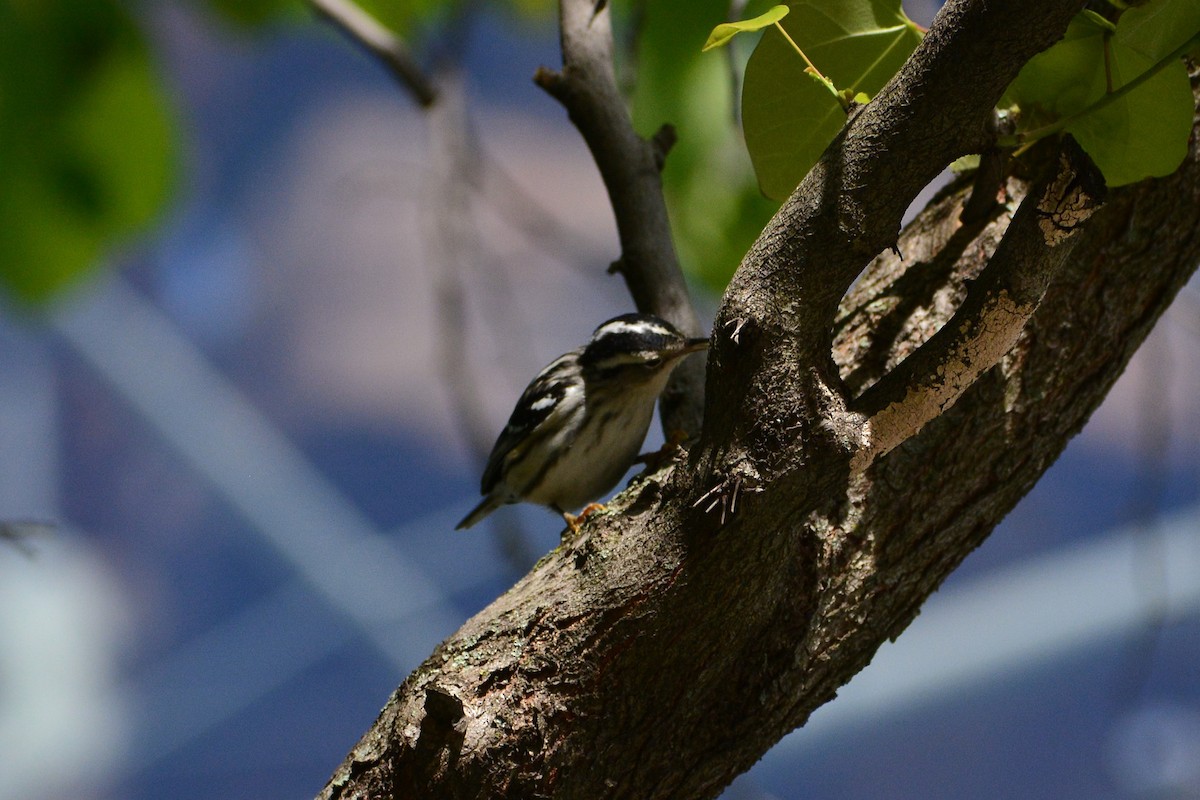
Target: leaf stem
[[1026, 138], [796, 47], [816, 73]]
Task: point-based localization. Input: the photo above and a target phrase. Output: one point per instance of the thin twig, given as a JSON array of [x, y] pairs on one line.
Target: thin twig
[[989, 179], [365, 31], [542, 226], [811, 66], [455, 172]]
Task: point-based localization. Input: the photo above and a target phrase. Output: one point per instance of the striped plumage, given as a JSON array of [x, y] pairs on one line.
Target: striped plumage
[[579, 425]]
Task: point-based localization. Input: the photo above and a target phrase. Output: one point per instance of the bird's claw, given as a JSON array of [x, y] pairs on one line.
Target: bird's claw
[[671, 449], [575, 521]]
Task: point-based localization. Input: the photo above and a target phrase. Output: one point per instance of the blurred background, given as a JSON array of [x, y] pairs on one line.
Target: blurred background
[[233, 449]]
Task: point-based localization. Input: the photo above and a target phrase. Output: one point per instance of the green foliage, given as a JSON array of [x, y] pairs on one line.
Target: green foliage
[[1074, 86], [85, 135], [789, 114], [724, 33], [716, 208], [87, 140], [1155, 29]]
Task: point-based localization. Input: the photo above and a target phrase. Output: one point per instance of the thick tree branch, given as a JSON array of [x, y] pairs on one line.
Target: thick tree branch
[[707, 659], [362, 29], [630, 166]]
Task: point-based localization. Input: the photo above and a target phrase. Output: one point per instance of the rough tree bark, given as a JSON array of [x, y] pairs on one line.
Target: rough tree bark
[[849, 459]]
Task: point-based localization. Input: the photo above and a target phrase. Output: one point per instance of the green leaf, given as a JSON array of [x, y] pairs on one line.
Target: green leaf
[[965, 164], [1157, 28], [848, 96], [1098, 20], [119, 131], [1144, 134], [787, 132], [1141, 134], [86, 140], [1059, 81], [789, 118], [723, 33]]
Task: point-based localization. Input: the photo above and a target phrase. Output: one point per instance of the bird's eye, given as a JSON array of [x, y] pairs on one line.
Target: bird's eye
[[652, 362]]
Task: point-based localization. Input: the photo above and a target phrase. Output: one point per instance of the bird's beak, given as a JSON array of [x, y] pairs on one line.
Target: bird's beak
[[689, 347], [694, 345]]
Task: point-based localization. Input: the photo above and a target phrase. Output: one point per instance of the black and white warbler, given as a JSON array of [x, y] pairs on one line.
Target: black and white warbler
[[580, 423]]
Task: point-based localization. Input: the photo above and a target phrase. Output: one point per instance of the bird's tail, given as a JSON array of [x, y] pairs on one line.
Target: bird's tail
[[485, 507]]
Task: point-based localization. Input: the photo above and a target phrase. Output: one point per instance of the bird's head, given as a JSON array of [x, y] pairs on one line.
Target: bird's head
[[636, 346]]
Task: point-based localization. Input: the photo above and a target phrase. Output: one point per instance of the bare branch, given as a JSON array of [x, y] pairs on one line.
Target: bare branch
[[367, 33], [989, 181], [629, 165], [454, 174]]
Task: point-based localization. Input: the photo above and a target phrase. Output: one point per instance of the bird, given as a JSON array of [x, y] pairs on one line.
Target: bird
[[580, 423]]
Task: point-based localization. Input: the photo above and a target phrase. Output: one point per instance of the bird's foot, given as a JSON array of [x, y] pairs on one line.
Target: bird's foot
[[575, 521], [672, 448]]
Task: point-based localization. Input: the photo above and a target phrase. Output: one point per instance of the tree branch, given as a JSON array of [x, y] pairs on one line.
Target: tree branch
[[362, 29], [630, 167], [454, 170], [986, 327]]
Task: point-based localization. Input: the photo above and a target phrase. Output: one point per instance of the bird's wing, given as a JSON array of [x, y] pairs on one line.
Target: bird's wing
[[538, 402]]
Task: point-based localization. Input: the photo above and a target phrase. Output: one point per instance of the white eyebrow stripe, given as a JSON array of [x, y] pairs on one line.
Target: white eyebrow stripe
[[634, 327]]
